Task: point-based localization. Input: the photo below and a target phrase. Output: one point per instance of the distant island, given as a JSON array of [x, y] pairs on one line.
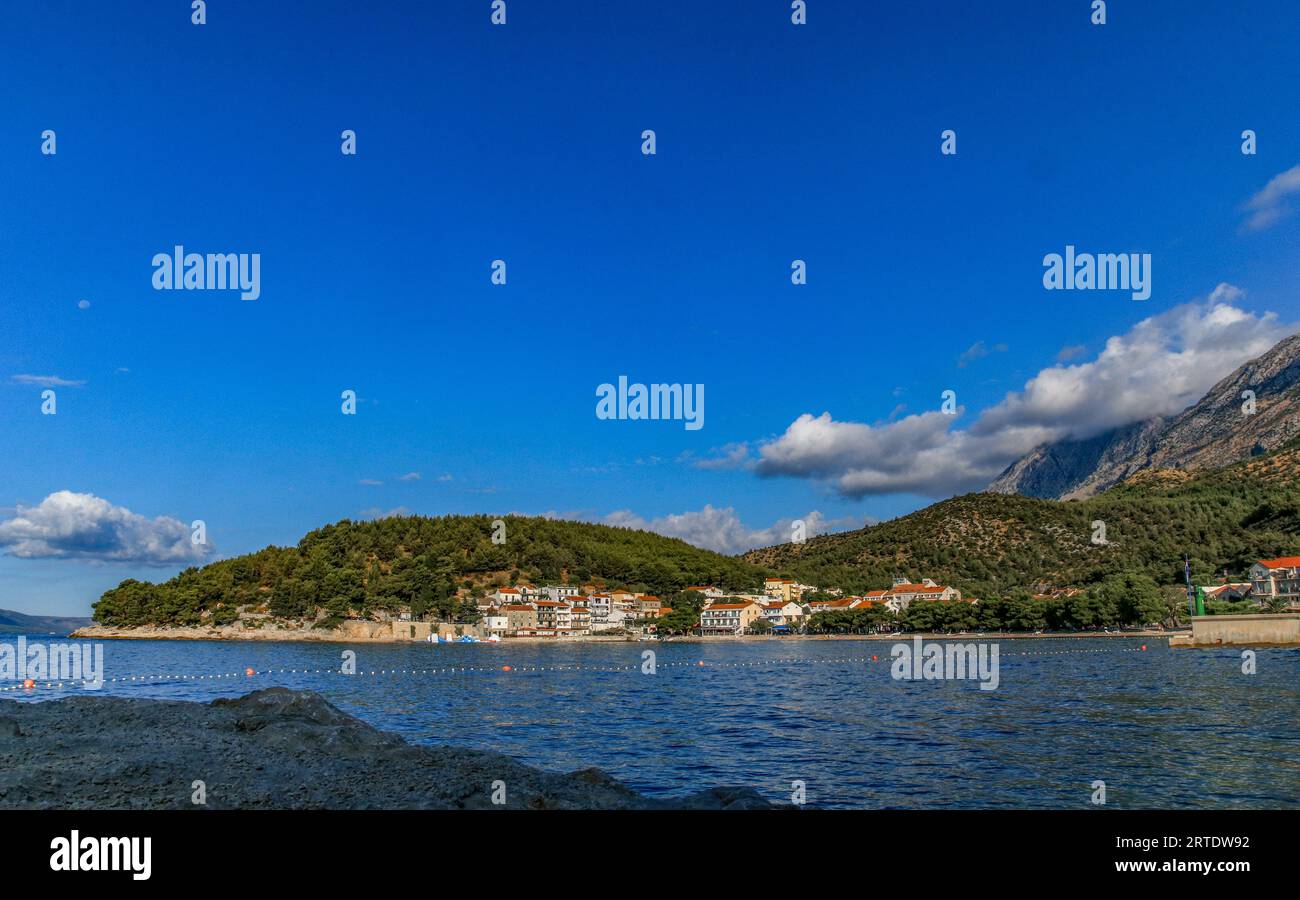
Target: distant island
[[12, 622]]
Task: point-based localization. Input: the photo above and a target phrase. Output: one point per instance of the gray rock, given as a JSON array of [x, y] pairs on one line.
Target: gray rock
[[274, 749]]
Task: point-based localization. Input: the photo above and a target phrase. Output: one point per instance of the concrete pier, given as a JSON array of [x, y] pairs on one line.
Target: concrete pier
[[1278, 629]]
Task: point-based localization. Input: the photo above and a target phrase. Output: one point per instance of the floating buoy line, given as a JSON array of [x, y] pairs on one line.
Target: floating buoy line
[[249, 672]]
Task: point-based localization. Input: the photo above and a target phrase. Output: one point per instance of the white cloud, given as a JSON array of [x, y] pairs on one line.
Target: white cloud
[[1270, 205], [369, 482], [409, 476], [720, 529], [376, 512], [67, 525], [46, 381], [978, 350], [1161, 366], [731, 456]]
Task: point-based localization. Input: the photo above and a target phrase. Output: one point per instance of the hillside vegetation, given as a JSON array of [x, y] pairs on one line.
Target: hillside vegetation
[[991, 544], [421, 563], [988, 545]]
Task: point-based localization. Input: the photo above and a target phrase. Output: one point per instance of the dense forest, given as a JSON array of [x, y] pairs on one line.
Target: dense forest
[[431, 566], [996, 547], [1117, 601], [990, 545]]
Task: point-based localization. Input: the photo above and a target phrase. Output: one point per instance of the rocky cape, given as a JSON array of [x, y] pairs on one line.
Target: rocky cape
[[1210, 434], [274, 749]]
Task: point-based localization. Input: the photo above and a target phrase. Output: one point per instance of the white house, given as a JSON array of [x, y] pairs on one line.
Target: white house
[[505, 595], [496, 624], [778, 612], [901, 595], [1279, 577], [609, 620]]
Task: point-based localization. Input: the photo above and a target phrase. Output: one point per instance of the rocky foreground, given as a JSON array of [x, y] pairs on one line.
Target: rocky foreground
[[273, 749]]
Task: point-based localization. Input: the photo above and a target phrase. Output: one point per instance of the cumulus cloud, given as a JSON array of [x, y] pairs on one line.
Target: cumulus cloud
[[67, 525], [1271, 204], [1159, 367], [409, 476], [46, 381], [720, 529]]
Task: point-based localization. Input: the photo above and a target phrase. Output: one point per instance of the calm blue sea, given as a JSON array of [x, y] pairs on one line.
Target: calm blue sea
[[1162, 728]]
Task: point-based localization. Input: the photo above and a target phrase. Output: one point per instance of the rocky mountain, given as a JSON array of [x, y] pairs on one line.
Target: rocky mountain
[[989, 545], [1211, 433]]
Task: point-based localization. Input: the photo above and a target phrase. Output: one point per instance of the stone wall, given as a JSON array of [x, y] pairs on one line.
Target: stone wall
[[1213, 631]]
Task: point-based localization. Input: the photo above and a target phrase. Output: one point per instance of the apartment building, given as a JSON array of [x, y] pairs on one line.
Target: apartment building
[[519, 616], [728, 618], [903, 592], [1270, 578], [548, 613], [782, 612]]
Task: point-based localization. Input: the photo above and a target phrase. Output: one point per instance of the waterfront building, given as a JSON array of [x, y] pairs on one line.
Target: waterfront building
[[520, 616], [728, 618], [547, 613], [1279, 577]]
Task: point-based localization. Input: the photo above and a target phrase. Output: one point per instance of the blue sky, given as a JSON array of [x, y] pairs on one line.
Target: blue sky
[[523, 142]]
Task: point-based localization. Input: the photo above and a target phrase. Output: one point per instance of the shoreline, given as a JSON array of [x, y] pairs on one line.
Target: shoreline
[[340, 636]]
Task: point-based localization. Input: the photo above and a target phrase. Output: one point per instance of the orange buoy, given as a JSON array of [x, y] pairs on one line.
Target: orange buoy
[[875, 658], [701, 662], [1144, 646], [505, 668], [248, 671], [29, 683]]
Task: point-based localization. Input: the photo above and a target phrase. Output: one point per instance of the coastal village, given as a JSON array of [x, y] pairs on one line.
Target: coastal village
[[781, 606], [553, 611]]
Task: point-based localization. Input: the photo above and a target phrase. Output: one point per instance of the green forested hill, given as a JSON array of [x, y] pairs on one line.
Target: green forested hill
[[353, 568], [990, 544]]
